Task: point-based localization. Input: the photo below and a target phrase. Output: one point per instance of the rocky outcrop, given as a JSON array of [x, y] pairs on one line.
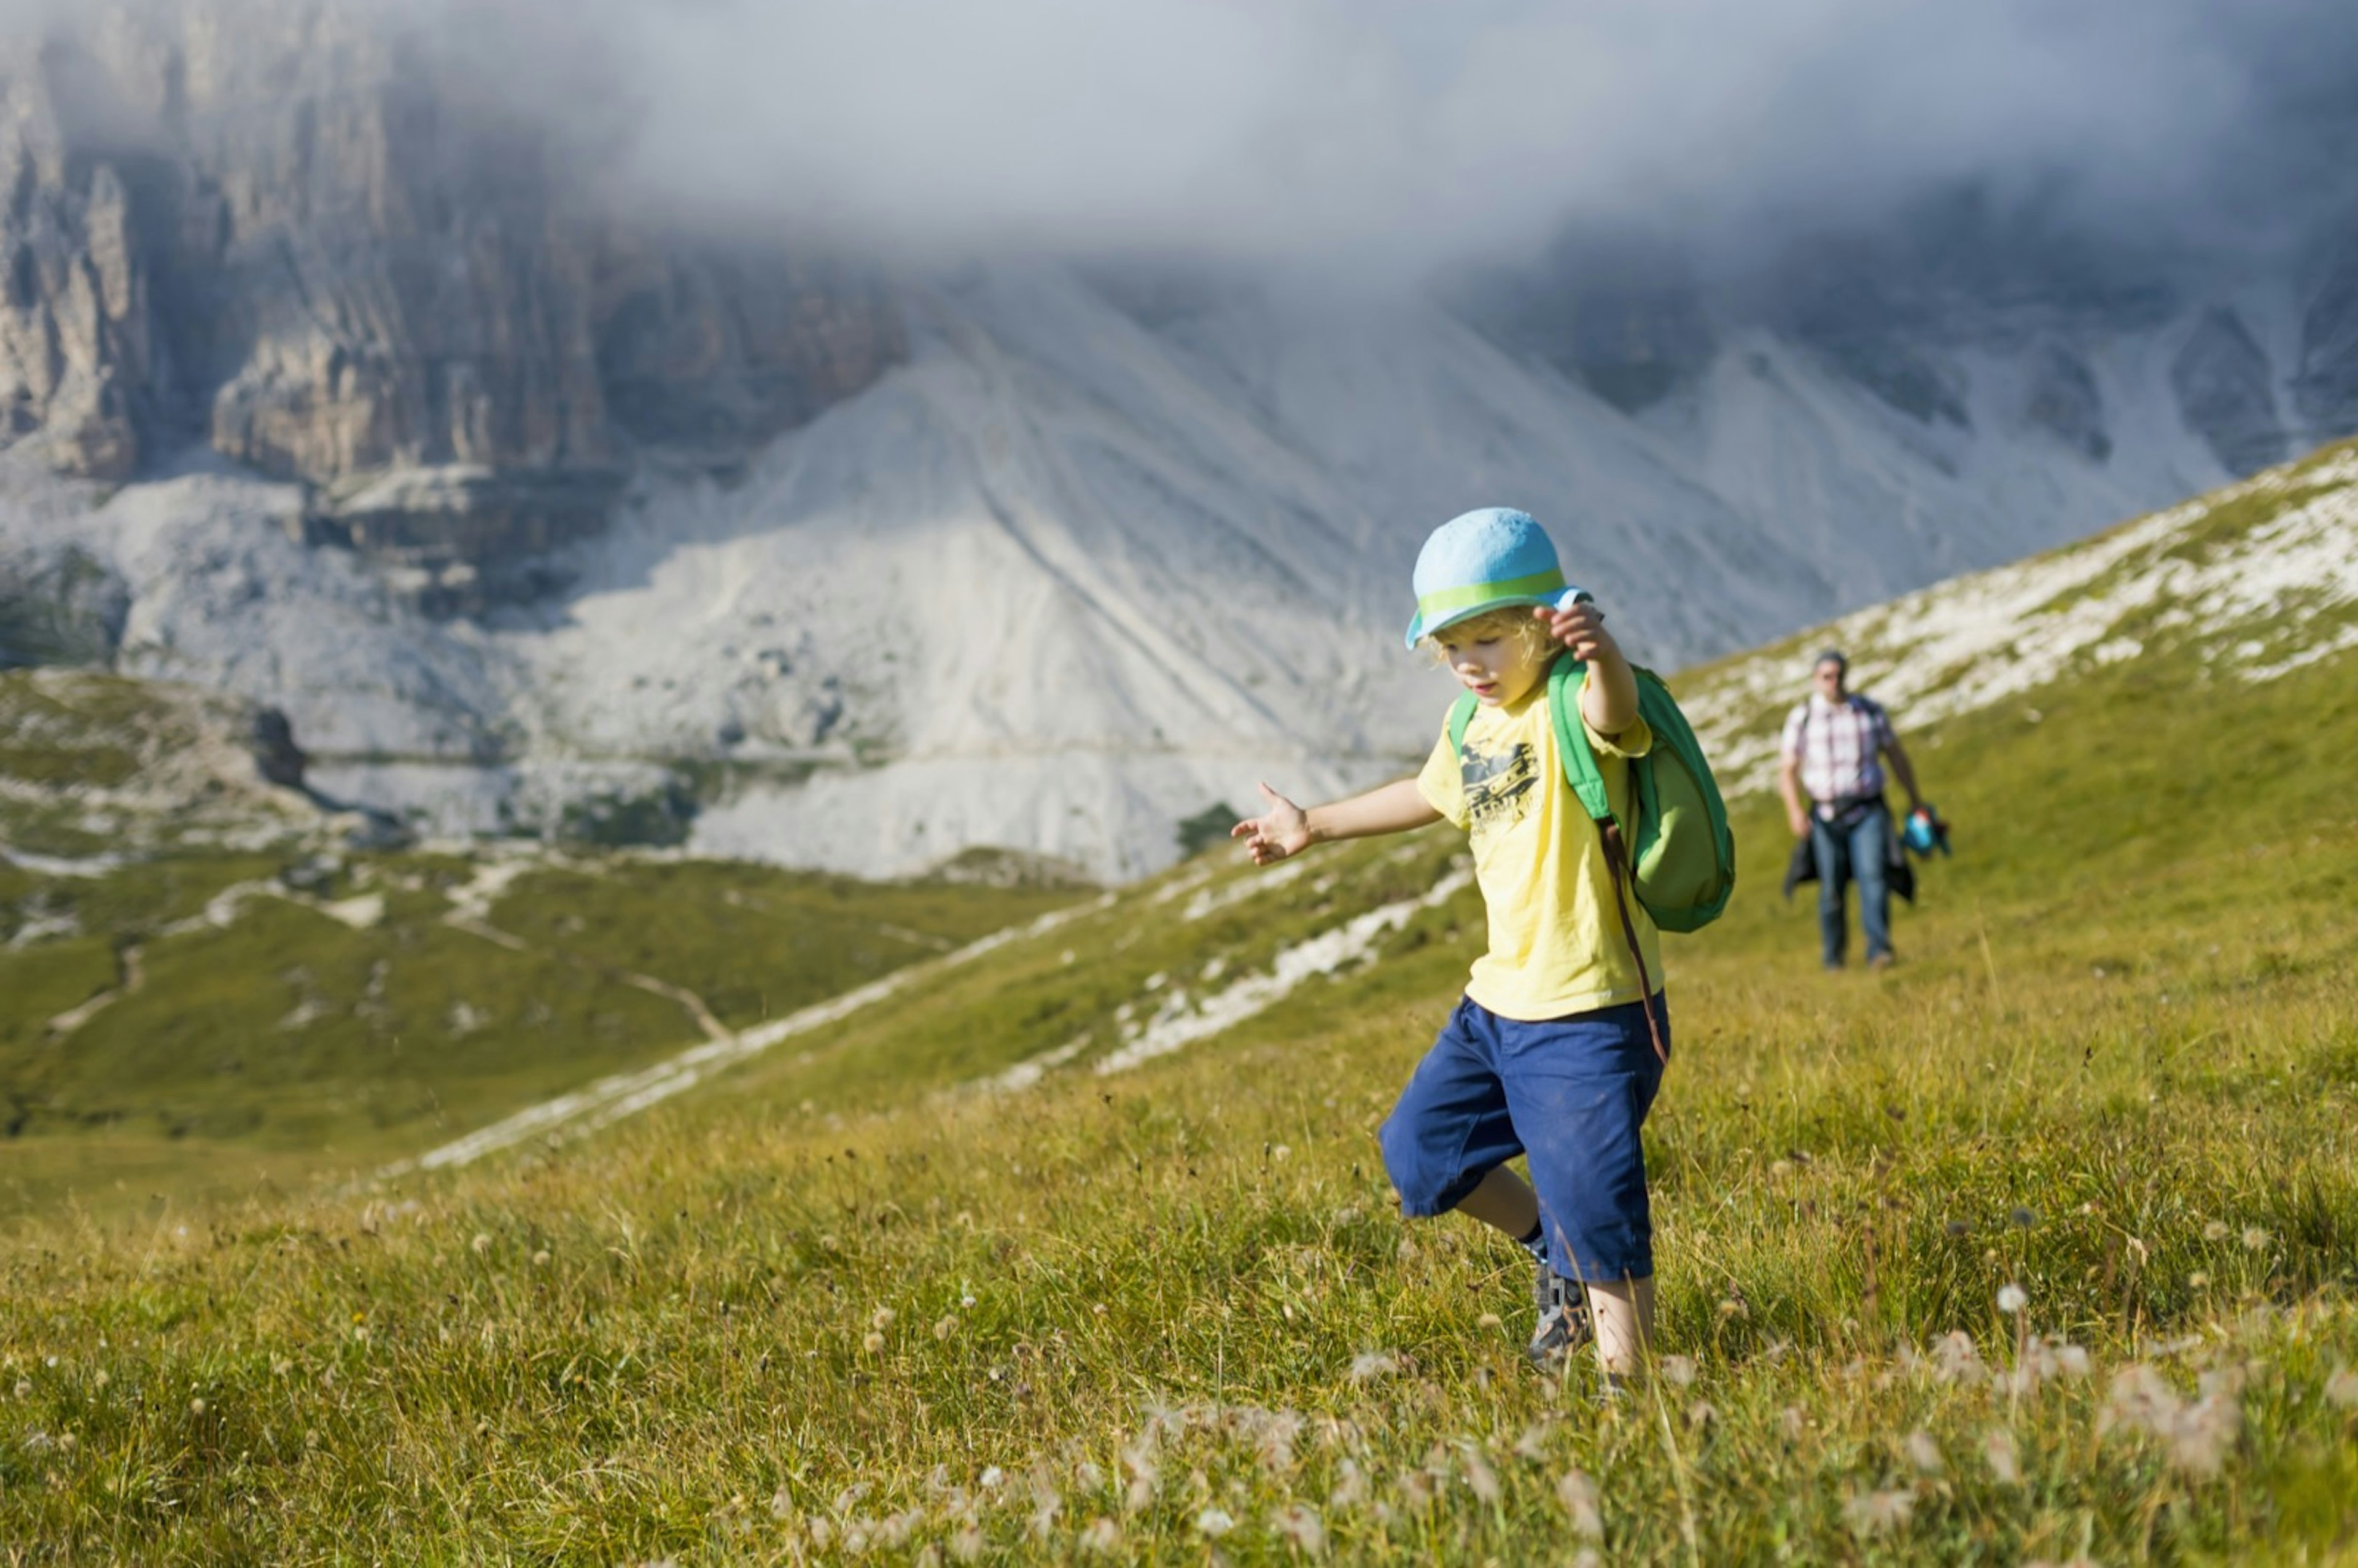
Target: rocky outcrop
[[1625, 321], [706, 355], [2062, 399], [58, 607], [276, 757], [2227, 394], [282, 228], [2326, 386], [458, 539], [76, 335]]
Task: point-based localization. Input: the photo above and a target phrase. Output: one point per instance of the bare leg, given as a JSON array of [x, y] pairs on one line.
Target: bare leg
[[1624, 1314], [1505, 1201]]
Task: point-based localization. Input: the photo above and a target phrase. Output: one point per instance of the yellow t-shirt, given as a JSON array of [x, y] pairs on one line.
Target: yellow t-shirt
[[1556, 942]]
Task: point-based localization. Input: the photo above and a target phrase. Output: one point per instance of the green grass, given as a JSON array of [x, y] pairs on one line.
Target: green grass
[[847, 1301], [752, 941], [814, 1306], [289, 1045], [74, 730]]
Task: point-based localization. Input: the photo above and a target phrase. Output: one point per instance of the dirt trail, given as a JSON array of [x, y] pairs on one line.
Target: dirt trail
[[129, 977]]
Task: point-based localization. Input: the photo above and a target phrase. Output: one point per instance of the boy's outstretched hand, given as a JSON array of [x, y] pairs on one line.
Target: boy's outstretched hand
[[1580, 628], [1608, 695], [1283, 831]]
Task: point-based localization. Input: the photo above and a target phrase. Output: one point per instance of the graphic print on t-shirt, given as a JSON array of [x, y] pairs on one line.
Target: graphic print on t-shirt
[[1498, 786]]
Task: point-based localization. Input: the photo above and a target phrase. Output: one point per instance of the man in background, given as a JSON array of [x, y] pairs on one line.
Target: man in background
[[1835, 746]]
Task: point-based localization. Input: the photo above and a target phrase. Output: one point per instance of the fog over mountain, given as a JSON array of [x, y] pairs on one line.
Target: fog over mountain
[[1379, 138], [851, 433]]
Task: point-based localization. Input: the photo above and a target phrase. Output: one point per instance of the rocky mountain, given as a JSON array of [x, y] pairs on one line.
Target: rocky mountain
[[339, 381], [283, 230]]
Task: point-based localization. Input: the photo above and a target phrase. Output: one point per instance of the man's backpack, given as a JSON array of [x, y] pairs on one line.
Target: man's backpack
[[1681, 860]]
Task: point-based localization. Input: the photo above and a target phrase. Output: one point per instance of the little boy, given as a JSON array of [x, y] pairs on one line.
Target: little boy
[[1548, 1053]]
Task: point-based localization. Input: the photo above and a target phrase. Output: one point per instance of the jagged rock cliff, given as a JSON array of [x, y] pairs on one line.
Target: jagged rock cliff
[[278, 227]]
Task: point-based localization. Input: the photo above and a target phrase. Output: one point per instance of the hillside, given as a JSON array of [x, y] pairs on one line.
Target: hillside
[[1077, 1245], [213, 984]]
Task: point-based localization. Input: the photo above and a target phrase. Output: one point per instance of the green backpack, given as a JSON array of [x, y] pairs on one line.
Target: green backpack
[[1681, 859]]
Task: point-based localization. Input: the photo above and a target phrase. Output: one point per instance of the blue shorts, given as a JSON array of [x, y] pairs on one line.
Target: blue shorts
[[1571, 1092]]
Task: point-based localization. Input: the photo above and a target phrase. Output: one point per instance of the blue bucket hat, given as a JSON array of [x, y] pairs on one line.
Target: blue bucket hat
[[1481, 560]]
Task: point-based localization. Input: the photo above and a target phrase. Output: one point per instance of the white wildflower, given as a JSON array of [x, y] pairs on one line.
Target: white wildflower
[[1045, 1506], [1679, 1370], [966, 1542], [1482, 1480], [2255, 1238], [1876, 1512], [2012, 1299], [1213, 1522], [1102, 1539], [2342, 1390], [1145, 1472], [945, 1327], [1299, 1523], [1577, 1493], [2199, 1435], [1369, 1365], [482, 1244], [1955, 1360], [881, 1318], [2004, 1462], [2215, 1231], [1924, 1453], [1350, 1488]]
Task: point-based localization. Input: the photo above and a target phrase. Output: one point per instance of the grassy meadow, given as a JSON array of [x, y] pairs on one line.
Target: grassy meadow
[[851, 1303], [348, 1008], [2040, 1248]]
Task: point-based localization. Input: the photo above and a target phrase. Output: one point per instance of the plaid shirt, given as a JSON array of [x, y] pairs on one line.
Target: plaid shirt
[[1838, 745]]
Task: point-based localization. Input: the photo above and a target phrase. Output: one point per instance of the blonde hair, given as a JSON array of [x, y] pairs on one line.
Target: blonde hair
[[1515, 620]]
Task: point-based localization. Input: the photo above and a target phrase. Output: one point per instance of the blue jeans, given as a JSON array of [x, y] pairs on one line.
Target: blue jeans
[[1858, 850]]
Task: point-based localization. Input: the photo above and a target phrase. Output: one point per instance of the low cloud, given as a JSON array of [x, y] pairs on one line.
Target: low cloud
[[1389, 137], [1405, 134]]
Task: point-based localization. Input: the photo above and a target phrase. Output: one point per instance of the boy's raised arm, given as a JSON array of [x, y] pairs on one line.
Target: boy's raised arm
[[1285, 829], [1608, 696]]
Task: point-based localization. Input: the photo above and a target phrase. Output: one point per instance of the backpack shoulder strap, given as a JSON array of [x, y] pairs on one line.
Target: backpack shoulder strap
[[1580, 772], [1461, 714], [1572, 748]]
